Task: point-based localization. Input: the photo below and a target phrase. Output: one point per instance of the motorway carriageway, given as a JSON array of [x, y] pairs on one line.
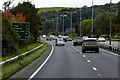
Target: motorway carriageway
[[69, 62]]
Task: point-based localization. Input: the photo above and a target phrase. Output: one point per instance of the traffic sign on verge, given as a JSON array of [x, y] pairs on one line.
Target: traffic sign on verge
[[91, 32], [22, 28]]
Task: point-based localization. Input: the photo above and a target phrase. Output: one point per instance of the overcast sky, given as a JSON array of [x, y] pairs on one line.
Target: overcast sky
[[61, 3]]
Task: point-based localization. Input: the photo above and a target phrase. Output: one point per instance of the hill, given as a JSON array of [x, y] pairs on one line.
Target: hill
[[46, 9]]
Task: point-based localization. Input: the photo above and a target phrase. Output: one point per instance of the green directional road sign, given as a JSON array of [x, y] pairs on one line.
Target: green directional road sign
[[22, 29]]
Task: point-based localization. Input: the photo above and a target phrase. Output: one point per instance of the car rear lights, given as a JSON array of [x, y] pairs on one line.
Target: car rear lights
[[84, 43], [63, 40], [56, 41], [97, 44]]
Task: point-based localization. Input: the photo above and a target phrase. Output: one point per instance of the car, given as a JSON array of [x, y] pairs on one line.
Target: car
[[55, 38], [59, 41], [70, 39], [59, 36], [85, 37], [77, 42], [44, 36], [101, 39], [52, 36], [90, 44], [48, 39], [64, 38]]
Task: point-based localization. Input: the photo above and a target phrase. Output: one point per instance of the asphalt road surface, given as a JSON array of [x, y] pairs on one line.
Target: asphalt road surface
[[69, 62]]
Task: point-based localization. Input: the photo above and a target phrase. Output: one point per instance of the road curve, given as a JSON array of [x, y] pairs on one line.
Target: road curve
[[69, 62]]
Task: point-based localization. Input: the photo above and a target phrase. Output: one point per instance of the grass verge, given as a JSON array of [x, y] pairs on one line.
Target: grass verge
[[11, 68], [22, 50]]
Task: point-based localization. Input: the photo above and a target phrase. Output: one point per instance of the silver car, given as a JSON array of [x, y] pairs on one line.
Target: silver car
[[59, 41], [101, 39]]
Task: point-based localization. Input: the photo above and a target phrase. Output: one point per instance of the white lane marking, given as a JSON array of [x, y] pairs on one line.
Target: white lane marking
[[84, 56], [74, 48], [77, 50], [42, 64], [99, 75], [94, 68], [88, 61], [80, 52], [109, 52]]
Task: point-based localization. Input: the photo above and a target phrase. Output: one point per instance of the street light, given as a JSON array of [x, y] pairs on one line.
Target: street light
[[92, 19], [110, 23], [80, 23], [63, 22], [71, 28]]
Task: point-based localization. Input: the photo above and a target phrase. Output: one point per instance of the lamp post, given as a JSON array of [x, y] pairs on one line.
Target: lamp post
[[80, 23], [92, 19], [110, 23], [63, 22], [71, 24], [71, 27]]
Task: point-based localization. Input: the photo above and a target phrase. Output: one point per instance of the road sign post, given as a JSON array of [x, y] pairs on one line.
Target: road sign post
[[22, 29]]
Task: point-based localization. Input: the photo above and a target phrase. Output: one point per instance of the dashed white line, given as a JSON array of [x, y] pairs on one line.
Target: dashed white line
[[84, 56], [80, 52], [88, 61], [74, 48], [77, 50], [42, 64], [94, 68], [100, 75]]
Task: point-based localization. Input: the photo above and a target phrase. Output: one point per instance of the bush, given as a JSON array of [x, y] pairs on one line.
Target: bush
[[105, 36], [9, 38]]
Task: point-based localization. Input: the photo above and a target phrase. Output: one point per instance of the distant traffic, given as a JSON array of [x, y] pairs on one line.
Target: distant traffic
[[88, 44]]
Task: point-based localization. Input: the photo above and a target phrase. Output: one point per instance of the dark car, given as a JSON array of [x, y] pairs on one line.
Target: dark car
[[77, 42], [90, 44], [65, 39], [70, 39], [48, 39]]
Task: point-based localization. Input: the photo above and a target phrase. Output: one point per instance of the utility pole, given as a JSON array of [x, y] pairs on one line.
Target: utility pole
[[110, 23], [57, 25], [63, 24], [71, 24], [80, 23], [92, 19]]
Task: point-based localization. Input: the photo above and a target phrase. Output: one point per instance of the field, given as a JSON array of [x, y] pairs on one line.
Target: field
[[52, 9]]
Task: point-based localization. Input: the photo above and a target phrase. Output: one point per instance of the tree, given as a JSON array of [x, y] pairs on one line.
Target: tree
[[8, 15], [20, 18], [102, 23], [7, 4], [32, 17], [9, 38]]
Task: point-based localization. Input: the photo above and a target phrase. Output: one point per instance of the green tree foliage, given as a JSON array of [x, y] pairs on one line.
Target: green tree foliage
[[102, 23], [48, 27], [9, 38], [86, 14], [86, 27], [32, 17], [118, 18]]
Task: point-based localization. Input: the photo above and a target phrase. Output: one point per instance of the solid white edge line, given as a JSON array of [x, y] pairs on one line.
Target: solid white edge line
[[109, 52], [42, 64]]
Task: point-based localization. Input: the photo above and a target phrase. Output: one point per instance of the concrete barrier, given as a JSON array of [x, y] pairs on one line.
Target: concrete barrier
[[114, 49]]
